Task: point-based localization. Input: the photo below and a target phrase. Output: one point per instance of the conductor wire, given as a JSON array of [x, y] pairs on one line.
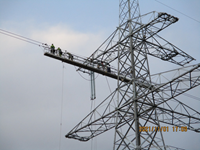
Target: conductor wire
[[20, 36], [177, 11]]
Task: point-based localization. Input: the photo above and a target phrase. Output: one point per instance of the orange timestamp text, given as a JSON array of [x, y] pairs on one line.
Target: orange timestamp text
[[162, 129]]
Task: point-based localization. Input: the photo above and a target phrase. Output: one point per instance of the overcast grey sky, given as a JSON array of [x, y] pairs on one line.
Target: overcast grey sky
[[31, 84]]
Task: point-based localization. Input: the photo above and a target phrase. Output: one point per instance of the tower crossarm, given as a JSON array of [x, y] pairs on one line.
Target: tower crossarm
[[164, 94], [96, 66], [145, 35], [156, 25], [166, 91], [86, 64], [164, 102], [90, 127], [158, 47]]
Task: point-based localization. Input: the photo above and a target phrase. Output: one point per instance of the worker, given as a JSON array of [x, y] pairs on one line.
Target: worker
[[108, 68], [65, 53], [52, 49], [102, 65], [70, 56], [59, 51], [144, 36], [98, 64]]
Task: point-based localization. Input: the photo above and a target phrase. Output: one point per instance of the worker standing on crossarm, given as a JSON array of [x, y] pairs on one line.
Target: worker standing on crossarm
[[70, 56], [59, 51], [52, 49], [108, 68]]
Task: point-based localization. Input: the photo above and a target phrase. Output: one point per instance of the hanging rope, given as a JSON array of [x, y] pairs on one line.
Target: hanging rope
[[108, 85], [191, 96], [84, 77], [61, 112]]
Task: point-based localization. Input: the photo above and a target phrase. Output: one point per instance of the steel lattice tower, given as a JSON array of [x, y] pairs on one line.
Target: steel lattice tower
[[140, 99]]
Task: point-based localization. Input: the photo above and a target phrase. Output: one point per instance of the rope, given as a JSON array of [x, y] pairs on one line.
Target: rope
[[61, 113], [108, 85], [84, 77], [191, 96]]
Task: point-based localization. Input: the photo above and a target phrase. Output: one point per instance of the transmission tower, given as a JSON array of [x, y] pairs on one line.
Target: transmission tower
[[141, 101]]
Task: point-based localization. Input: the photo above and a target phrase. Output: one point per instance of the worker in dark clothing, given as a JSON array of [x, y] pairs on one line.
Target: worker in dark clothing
[[52, 49], [108, 68], [102, 64], [70, 56], [59, 51]]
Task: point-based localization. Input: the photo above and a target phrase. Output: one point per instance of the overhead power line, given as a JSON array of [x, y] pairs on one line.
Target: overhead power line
[[178, 11], [19, 38], [22, 38], [191, 96]]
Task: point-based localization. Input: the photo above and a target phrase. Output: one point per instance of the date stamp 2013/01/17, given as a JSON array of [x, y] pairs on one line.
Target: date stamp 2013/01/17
[[162, 129]]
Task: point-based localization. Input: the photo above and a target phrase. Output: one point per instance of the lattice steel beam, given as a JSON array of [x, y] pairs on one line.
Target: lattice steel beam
[[106, 121]]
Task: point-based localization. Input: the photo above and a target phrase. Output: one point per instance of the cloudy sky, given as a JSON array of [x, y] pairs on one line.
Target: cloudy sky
[[34, 88]]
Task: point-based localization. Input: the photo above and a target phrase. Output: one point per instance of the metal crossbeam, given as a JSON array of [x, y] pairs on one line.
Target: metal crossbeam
[[106, 121], [92, 66], [145, 34]]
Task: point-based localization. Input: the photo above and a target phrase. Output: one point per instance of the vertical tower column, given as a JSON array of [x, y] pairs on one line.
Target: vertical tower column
[[137, 133]]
